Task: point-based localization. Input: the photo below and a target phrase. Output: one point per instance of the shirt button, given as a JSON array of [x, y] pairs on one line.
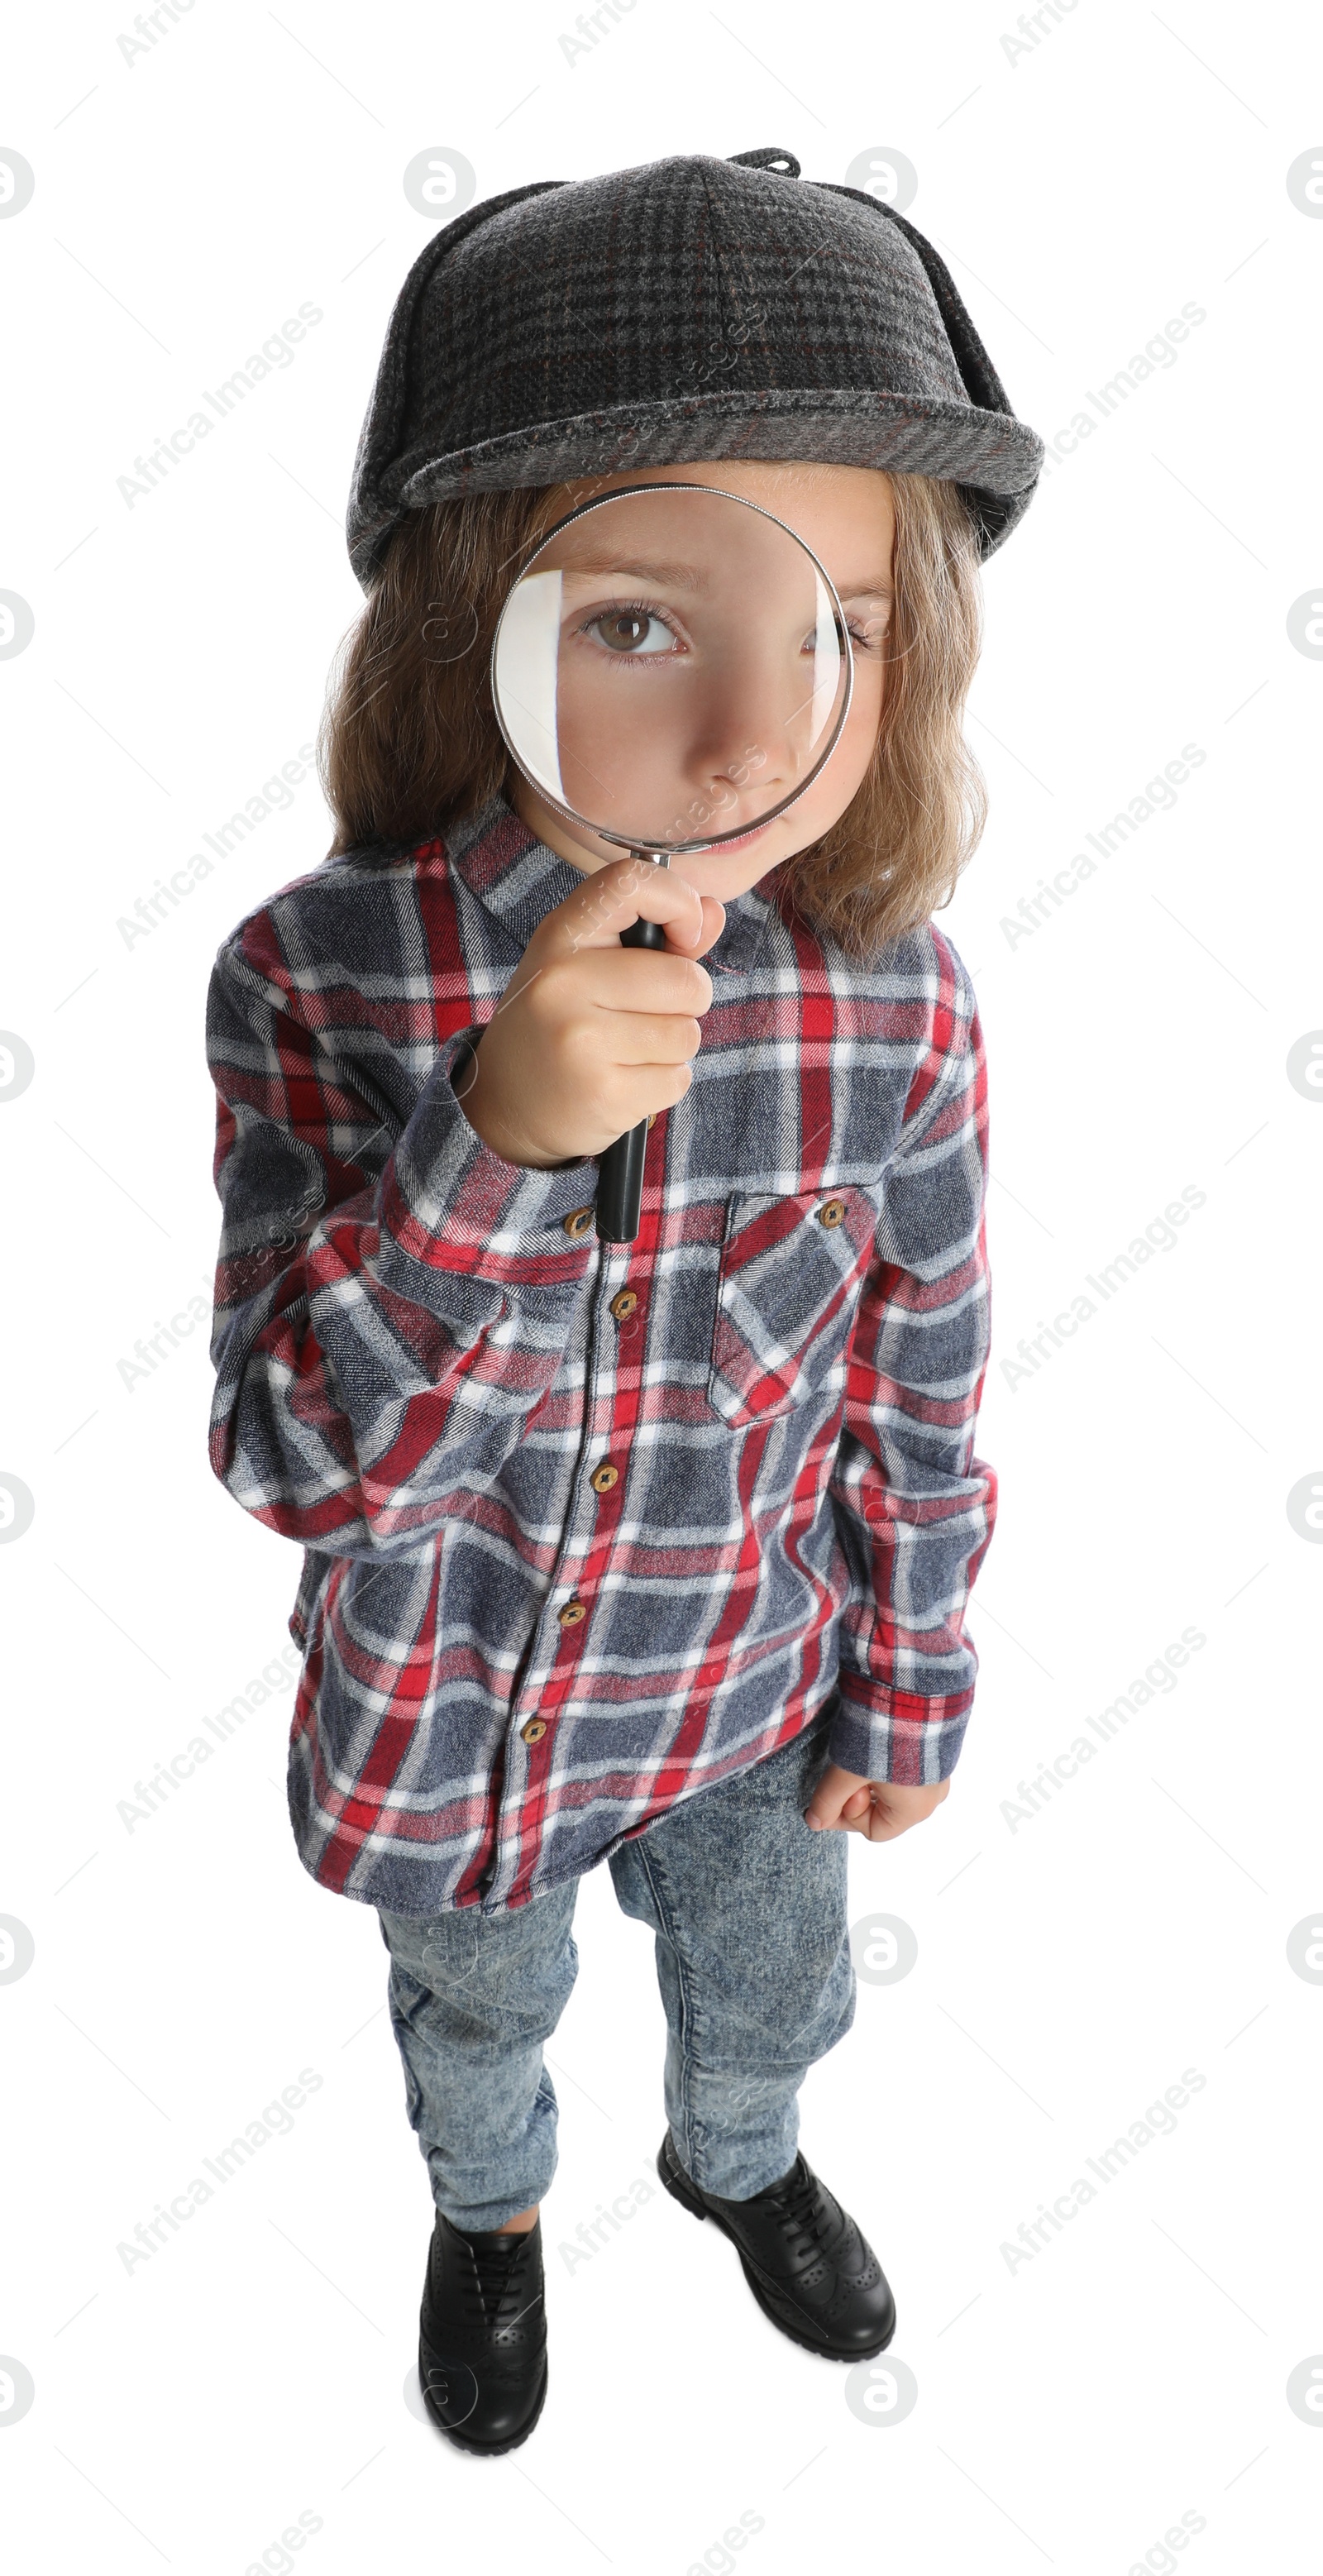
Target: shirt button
[[831, 1212], [578, 1221], [604, 1477], [534, 1731], [572, 1613], [624, 1303]]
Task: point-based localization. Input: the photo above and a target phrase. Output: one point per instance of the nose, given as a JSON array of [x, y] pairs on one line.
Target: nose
[[750, 746]]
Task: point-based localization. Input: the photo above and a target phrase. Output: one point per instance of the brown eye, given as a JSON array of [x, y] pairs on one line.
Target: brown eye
[[632, 632], [623, 634]]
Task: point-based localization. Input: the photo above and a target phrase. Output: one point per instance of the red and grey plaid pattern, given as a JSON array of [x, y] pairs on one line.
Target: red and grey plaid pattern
[[589, 1526]]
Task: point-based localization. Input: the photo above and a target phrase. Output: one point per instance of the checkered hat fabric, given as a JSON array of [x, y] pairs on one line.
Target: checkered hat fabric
[[684, 311]]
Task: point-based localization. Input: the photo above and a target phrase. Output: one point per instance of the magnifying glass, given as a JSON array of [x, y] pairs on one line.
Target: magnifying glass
[[670, 671]]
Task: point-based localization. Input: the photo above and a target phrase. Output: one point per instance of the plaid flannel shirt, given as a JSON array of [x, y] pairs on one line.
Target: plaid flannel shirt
[[589, 1526]]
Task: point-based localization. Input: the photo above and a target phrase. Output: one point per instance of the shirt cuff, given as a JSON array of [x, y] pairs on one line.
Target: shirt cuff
[[885, 1734]]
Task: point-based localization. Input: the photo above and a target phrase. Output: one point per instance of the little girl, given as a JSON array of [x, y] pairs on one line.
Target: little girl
[[653, 1553]]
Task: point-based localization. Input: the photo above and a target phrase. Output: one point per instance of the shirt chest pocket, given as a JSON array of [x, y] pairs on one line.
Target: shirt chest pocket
[[787, 1295]]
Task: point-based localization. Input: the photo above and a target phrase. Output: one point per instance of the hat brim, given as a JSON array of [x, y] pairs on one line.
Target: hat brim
[[994, 458]]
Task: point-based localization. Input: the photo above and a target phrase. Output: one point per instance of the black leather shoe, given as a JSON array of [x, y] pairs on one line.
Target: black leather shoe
[[810, 2268], [482, 2351]]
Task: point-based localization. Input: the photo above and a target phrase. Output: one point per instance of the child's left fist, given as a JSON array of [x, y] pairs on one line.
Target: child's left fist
[[881, 1809]]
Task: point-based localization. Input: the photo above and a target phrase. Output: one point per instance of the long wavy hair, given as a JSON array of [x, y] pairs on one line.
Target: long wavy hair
[[409, 740]]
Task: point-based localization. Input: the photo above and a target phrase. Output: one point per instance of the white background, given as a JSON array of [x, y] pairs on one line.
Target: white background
[[1070, 1967]]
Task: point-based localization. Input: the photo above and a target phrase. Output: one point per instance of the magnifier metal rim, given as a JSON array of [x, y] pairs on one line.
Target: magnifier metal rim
[[633, 840]]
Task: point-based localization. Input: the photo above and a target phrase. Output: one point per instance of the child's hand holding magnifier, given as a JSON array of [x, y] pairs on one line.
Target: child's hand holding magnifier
[[590, 1037]]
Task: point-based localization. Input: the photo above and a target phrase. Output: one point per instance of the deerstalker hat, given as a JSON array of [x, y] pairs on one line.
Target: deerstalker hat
[[683, 311]]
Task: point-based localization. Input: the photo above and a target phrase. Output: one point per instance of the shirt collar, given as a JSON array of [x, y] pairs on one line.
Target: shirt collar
[[518, 880]]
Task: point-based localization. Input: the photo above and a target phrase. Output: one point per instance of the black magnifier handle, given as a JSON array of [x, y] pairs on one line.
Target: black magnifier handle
[[620, 1171]]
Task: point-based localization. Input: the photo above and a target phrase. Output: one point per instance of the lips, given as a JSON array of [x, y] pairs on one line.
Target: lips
[[740, 841]]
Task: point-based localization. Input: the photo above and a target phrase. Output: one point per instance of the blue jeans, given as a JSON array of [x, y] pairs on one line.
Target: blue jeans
[[753, 1960]]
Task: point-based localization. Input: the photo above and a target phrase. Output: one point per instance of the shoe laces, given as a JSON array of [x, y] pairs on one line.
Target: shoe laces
[[492, 2283], [798, 2204]]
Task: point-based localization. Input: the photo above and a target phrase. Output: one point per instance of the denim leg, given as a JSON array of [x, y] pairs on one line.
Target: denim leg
[[753, 1960], [472, 1997]]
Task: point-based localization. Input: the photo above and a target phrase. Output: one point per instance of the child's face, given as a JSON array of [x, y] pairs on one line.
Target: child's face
[[845, 513]]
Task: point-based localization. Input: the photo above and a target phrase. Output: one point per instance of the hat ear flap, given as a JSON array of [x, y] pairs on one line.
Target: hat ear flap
[[996, 513], [384, 420], [978, 374]]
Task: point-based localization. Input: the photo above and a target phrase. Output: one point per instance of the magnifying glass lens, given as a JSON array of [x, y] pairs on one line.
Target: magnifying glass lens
[[672, 667]]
